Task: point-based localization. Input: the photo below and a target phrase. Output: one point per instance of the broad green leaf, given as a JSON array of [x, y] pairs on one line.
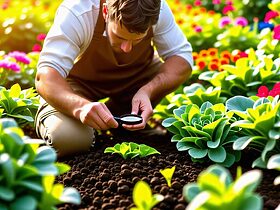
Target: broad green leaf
[[6, 194], [239, 103], [212, 183], [26, 202], [190, 191], [242, 142], [253, 202], [45, 154], [197, 153], [168, 122], [217, 155]]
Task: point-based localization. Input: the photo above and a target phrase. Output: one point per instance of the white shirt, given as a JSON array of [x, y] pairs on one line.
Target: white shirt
[[73, 27]]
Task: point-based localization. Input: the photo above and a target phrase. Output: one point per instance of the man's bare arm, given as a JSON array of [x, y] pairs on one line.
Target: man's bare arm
[[174, 72], [56, 91]]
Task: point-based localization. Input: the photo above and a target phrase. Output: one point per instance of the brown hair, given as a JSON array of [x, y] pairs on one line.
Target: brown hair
[[136, 15]]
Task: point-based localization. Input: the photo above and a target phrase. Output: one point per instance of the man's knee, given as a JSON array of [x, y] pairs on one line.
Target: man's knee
[[65, 134]]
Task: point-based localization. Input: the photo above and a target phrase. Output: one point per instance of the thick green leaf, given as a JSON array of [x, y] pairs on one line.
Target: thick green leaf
[[253, 202], [7, 194], [190, 191], [24, 203], [242, 142], [239, 103], [197, 153], [45, 154], [217, 155]]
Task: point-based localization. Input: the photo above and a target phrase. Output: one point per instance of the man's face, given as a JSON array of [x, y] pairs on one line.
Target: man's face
[[120, 38]]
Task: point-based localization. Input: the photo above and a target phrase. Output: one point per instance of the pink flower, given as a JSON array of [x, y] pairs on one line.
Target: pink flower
[[227, 9], [276, 31], [197, 3], [270, 15], [198, 29], [19, 56], [216, 1], [36, 48], [6, 64], [242, 21], [224, 21], [263, 91], [41, 37]]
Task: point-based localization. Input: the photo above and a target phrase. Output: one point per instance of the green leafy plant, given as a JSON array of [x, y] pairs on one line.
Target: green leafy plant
[[19, 104], [215, 190], [27, 172], [260, 123], [131, 150], [246, 75], [274, 163], [167, 173], [192, 94], [204, 132], [143, 197]]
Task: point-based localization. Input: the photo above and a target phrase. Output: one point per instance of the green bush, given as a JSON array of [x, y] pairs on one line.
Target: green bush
[[27, 172]]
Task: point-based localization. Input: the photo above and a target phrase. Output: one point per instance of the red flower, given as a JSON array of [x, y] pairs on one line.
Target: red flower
[[270, 15], [263, 91]]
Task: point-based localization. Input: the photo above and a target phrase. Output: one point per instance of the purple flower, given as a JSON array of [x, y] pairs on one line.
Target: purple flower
[[6, 64], [242, 21], [224, 21], [19, 56]]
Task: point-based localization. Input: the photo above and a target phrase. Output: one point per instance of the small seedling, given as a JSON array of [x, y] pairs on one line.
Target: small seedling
[[167, 174], [143, 197], [131, 150]]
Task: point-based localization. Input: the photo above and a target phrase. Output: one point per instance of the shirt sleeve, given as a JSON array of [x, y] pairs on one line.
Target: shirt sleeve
[[63, 42], [169, 39]]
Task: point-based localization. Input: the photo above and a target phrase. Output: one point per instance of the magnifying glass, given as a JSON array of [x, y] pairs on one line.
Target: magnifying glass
[[129, 119]]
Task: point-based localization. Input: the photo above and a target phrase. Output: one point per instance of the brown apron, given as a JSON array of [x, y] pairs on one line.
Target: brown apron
[[102, 71]]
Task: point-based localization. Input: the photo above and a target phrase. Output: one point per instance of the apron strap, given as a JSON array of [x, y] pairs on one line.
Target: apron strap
[[100, 24]]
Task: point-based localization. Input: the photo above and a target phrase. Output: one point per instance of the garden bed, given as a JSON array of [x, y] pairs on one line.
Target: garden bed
[[106, 181]]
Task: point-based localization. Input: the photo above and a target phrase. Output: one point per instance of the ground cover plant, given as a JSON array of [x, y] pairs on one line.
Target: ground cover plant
[[222, 126]]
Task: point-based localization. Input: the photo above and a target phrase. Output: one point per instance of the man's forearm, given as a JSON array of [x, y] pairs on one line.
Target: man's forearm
[[174, 72], [55, 90]]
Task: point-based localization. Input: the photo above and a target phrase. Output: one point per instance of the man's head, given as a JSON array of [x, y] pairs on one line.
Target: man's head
[[128, 21], [136, 15]]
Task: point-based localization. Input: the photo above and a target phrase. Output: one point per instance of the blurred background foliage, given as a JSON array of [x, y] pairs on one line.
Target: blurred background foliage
[[22, 20]]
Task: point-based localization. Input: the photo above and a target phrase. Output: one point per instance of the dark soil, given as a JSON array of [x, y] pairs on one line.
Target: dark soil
[[106, 181]]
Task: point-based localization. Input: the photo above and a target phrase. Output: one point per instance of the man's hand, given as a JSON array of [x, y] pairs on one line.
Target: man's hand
[[97, 116], [141, 104]]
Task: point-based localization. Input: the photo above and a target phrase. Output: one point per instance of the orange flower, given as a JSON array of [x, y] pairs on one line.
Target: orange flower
[[213, 66], [223, 61], [195, 55], [213, 52], [203, 53], [200, 63], [226, 54]]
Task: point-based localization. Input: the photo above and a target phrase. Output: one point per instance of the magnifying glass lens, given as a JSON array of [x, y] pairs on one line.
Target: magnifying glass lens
[[129, 119]]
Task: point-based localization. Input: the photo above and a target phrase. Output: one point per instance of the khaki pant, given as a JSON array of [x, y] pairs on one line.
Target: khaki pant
[[68, 135]]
